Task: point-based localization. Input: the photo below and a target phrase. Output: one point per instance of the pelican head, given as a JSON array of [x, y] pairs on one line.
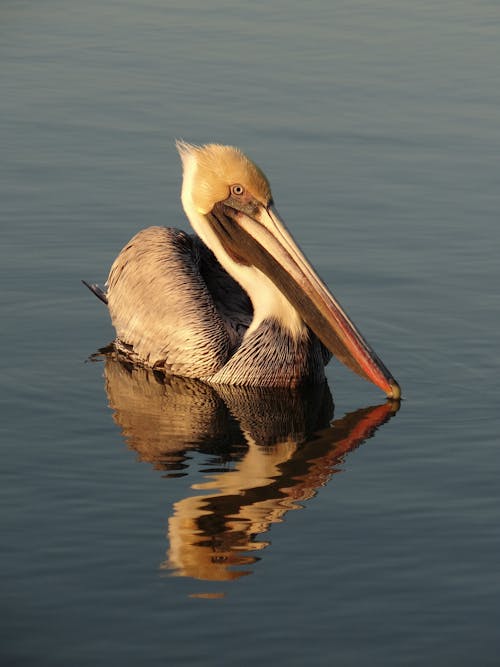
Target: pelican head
[[228, 201]]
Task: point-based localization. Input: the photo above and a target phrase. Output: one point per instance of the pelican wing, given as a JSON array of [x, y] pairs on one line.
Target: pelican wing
[[231, 301], [162, 309]]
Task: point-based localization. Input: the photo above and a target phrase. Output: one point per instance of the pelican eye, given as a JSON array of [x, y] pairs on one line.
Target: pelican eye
[[237, 190]]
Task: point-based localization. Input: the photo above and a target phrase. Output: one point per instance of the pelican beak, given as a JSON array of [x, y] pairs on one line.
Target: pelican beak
[[255, 235]]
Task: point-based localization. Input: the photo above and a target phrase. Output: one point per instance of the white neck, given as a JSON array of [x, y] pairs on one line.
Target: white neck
[[267, 300]]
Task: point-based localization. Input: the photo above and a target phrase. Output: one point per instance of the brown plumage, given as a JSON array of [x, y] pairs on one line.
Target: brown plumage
[[170, 303], [238, 303]]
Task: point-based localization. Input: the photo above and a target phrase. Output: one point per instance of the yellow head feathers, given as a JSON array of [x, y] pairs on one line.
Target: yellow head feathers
[[215, 168]]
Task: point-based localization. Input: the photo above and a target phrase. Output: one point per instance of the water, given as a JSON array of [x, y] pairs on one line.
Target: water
[[378, 126]]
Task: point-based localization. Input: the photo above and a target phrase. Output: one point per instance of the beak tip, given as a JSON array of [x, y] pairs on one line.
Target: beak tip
[[395, 390]]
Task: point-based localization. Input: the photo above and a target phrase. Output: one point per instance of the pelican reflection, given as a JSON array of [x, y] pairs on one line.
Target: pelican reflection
[[265, 450]]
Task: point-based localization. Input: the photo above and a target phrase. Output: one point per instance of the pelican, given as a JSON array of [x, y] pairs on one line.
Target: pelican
[[237, 303]]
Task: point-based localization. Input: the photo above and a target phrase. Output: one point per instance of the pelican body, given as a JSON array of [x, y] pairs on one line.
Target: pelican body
[[237, 302]]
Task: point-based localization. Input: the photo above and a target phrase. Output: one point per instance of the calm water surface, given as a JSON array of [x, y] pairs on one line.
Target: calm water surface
[[149, 524]]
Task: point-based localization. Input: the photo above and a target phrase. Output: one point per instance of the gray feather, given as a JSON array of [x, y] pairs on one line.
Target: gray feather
[[98, 291], [175, 309]]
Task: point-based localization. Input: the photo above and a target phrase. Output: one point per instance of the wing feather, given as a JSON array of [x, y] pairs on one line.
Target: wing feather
[[161, 307]]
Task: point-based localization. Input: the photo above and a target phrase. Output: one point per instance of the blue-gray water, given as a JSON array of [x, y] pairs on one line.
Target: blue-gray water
[[378, 125]]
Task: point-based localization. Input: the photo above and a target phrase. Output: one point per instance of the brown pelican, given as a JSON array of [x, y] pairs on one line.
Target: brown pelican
[[237, 303]]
